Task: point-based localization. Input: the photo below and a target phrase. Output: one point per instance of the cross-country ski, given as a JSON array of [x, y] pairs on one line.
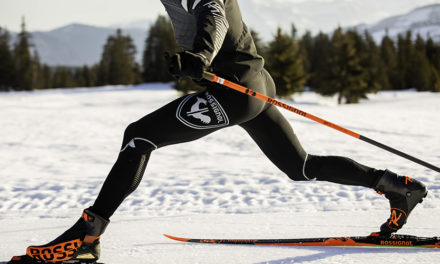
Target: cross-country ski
[[373, 240]]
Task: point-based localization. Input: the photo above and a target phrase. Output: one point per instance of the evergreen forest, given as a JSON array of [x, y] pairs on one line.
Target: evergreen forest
[[344, 63]]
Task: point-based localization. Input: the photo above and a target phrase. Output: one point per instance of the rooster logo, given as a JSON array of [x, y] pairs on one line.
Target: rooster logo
[[198, 112], [201, 111]]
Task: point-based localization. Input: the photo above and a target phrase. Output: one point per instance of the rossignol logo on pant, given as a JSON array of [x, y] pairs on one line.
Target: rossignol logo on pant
[[202, 111]]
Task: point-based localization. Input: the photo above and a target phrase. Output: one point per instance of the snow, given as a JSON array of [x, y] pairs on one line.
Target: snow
[[57, 146]]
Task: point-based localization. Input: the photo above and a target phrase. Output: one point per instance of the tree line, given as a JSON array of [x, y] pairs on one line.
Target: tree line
[[344, 63]]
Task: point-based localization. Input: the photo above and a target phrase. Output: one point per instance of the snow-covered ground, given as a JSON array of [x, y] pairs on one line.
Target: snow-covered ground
[[57, 146]]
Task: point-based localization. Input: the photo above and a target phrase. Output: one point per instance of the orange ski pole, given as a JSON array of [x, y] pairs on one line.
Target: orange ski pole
[[214, 78]]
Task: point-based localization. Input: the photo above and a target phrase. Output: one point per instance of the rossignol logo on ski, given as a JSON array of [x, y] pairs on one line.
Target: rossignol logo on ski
[[202, 111], [396, 243]]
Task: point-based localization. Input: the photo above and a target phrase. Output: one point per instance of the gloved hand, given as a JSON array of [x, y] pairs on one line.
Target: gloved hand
[[186, 63]]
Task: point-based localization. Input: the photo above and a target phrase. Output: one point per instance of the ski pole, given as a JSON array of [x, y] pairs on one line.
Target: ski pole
[[214, 78]]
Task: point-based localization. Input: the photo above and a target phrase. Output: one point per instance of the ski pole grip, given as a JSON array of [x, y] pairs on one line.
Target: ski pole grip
[[209, 76]]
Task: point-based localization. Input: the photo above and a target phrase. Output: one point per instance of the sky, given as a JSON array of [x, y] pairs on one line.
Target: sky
[[50, 14]]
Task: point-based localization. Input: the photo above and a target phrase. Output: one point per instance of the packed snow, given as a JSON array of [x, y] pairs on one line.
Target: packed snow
[[57, 146]]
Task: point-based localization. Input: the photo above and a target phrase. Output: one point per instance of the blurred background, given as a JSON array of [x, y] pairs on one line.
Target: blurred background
[[66, 43]]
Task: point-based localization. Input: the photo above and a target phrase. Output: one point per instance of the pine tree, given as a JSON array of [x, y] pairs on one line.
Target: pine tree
[[89, 76], [371, 61], [137, 70], [343, 74], [117, 64], [419, 73], [63, 78], [79, 77], [293, 32], [389, 57], [305, 51], [6, 62], [37, 81], [419, 44], [23, 61], [319, 53], [46, 75], [405, 50], [160, 40], [433, 55], [94, 72], [435, 80], [285, 65], [419, 76]]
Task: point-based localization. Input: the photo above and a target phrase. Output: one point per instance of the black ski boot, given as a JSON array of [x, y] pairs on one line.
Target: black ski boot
[[404, 194], [80, 242]]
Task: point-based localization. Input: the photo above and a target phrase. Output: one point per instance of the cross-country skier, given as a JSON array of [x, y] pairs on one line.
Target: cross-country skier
[[214, 38]]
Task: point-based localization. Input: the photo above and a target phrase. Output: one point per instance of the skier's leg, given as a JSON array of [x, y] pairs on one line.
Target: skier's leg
[[340, 170], [81, 241], [185, 119], [277, 140], [275, 137], [403, 193], [157, 129]]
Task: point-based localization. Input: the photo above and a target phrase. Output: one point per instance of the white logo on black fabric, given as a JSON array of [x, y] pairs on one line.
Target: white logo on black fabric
[[202, 111], [197, 112]]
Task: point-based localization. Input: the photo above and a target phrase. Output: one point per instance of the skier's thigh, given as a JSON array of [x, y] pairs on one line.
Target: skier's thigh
[[276, 138], [188, 118]]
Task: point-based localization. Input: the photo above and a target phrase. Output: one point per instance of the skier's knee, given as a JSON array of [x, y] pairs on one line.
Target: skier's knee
[[301, 173], [135, 139], [131, 131], [297, 175]]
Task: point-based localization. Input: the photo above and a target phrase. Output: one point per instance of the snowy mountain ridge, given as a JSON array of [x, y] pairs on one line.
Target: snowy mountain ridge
[[424, 21], [79, 44]]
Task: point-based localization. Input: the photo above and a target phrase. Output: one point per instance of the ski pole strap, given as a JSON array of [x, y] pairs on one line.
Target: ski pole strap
[[216, 79]]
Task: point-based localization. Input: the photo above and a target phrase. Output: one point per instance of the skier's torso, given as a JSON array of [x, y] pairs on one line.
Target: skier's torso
[[215, 28]]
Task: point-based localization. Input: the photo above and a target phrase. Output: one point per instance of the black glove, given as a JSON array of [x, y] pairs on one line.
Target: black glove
[[186, 63]]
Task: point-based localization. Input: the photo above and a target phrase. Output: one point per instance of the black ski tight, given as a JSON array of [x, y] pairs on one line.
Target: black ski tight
[[196, 115]]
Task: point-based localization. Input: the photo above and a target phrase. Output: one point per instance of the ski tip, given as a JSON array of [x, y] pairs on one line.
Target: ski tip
[[177, 238], [16, 259]]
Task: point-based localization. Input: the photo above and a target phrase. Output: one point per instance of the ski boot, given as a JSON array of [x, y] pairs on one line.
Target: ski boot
[[80, 242], [404, 194]]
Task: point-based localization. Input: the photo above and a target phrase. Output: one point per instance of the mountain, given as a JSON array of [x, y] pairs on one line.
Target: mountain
[[320, 15], [78, 44], [424, 21]]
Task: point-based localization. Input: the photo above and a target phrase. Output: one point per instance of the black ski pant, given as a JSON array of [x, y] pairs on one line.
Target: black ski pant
[[199, 114]]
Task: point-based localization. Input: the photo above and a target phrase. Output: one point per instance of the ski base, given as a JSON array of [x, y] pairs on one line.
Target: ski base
[[25, 259], [373, 240]]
